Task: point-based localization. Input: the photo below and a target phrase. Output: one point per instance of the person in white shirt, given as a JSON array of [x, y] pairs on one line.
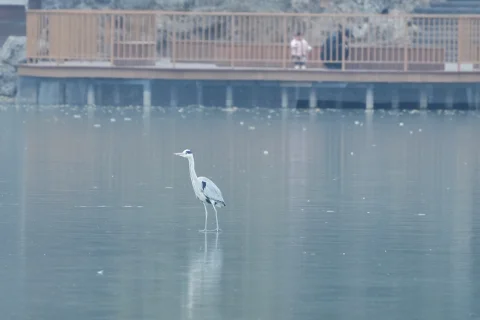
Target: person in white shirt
[[299, 50]]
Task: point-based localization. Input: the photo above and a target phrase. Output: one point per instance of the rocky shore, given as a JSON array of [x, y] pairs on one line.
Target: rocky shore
[[366, 6], [11, 54]]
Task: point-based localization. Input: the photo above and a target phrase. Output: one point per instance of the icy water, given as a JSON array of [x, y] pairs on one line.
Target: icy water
[[330, 215]]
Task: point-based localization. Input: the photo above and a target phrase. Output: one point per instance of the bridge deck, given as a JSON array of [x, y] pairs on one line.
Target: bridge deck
[[198, 71]]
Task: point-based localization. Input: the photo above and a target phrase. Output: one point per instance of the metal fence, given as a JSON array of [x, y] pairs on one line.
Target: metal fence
[[258, 40]]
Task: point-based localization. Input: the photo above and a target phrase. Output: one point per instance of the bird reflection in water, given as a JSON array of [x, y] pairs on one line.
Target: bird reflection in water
[[204, 274]]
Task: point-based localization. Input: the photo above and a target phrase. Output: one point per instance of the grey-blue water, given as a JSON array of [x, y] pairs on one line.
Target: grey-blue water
[[330, 215]]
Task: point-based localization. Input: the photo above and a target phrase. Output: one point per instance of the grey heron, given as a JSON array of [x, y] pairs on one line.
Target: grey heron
[[204, 188]]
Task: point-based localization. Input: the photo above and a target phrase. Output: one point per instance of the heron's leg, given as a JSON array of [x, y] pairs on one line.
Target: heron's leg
[[216, 217], [206, 216]]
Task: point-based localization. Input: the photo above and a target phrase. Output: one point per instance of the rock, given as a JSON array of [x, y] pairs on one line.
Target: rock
[[78, 4], [373, 6], [11, 54], [390, 29], [8, 80], [312, 6], [13, 50], [385, 30]]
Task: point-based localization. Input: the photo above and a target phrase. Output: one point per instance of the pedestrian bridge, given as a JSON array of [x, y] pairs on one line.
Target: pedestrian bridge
[[252, 47], [151, 44]]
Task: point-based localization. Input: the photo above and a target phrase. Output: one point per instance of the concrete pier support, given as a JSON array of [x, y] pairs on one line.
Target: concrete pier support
[[90, 94], [254, 96], [229, 96], [116, 95], [312, 102], [98, 94], [297, 96], [423, 98], [339, 100], [199, 93], [173, 96], [93, 92], [50, 92], [476, 98], [395, 99], [449, 99], [63, 92], [147, 94], [28, 90], [146, 113], [369, 102], [284, 97], [469, 93]]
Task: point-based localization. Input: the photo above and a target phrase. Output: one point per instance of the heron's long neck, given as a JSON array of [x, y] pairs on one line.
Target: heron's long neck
[[193, 174]]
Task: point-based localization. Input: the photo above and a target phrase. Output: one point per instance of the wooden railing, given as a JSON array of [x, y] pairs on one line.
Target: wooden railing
[[136, 38]]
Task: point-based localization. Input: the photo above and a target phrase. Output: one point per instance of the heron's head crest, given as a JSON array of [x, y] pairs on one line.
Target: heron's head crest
[[187, 153]]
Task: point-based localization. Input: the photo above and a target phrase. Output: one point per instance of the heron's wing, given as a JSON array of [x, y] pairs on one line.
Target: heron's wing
[[210, 190]]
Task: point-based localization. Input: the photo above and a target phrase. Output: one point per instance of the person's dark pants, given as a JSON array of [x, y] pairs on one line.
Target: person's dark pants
[[298, 61]]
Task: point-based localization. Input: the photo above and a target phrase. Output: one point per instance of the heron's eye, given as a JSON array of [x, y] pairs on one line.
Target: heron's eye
[[188, 152]]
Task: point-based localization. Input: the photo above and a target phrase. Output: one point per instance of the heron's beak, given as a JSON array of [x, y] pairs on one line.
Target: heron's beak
[[179, 154]]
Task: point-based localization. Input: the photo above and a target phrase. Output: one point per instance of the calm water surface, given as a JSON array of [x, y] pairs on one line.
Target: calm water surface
[[330, 215]]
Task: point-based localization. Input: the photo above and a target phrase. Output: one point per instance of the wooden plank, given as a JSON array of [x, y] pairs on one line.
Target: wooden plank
[[239, 74]]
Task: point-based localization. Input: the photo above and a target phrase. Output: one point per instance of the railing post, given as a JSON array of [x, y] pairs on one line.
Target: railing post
[[58, 34], [459, 42], [232, 35], [405, 44], [285, 42], [28, 28], [112, 38], [155, 37], [174, 38], [343, 43]]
